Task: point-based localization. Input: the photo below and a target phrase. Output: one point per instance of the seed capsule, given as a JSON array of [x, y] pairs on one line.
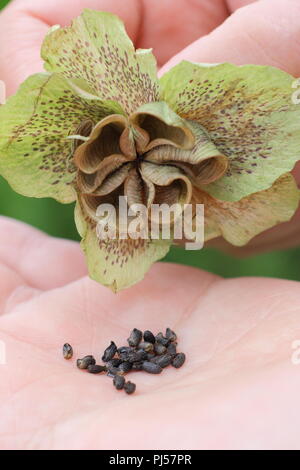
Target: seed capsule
[[129, 387], [161, 339], [67, 351], [164, 361], [109, 352], [85, 362], [148, 347], [170, 335], [151, 367], [178, 360], [95, 369], [119, 382], [149, 337], [135, 337], [124, 367], [171, 349], [159, 348]]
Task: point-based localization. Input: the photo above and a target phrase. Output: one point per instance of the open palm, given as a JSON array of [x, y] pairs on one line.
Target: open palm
[[237, 389]]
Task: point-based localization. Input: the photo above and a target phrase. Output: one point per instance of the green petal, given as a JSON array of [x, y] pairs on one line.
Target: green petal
[[249, 114], [117, 264], [96, 47], [36, 155], [240, 221]]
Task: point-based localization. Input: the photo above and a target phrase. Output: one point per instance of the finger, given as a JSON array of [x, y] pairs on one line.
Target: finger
[[24, 24], [169, 26], [264, 33], [41, 261]]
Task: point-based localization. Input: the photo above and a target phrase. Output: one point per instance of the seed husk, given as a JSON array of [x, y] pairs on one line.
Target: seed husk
[[149, 337], [170, 335], [85, 362], [178, 360], [148, 347], [125, 367], [135, 337], [159, 348], [96, 369], [129, 387], [164, 361], [109, 352], [119, 382], [67, 351], [151, 367], [172, 349]]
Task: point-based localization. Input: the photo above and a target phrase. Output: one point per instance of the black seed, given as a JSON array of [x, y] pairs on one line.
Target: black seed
[[137, 356], [119, 382], [159, 348], [125, 367], [95, 369], [151, 367], [170, 335], [149, 337], [164, 361], [112, 371], [161, 339], [178, 360], [150, 356], [124, 352], [67, 351], [137, 366], [113, 363], [171, 349], [85, 362], [135, 337], [109, 352], [148, 347], [129, 387]]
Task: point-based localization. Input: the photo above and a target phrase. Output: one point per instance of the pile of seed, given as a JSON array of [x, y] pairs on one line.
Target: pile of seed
[[145, 352]]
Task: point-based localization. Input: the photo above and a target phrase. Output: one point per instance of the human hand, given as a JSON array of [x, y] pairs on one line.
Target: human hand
[[263, 32], [237, 390]]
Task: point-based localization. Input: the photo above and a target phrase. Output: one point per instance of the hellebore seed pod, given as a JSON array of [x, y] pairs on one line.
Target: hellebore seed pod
[[178, 360], [119, 382], [151, 367], [129, 387], [67, 351], [109, 352], [95, 369], [135, 337], [85, 362], [149, 337]]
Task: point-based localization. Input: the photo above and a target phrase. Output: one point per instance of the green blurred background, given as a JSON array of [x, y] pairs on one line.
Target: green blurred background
[[57, 220]]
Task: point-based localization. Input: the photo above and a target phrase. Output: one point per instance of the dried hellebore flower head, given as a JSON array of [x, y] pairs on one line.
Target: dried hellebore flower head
[[98, 124]]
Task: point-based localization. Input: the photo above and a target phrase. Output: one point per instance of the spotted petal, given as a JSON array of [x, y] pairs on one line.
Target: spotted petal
[[96, 47], [117, 263], [240, 221], [250, 117], [36, 153]]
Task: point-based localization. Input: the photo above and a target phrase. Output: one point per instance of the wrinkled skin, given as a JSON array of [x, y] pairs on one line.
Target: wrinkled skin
[[238, 388]]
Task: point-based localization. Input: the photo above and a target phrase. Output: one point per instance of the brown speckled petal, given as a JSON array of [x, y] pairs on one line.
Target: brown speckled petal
[[96, 47], [250, 116]]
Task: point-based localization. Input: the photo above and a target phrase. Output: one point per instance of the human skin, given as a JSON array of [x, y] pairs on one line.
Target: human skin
[[239, 388]]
